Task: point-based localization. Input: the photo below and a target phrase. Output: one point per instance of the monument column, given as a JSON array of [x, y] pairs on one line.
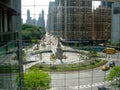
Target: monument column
[[59, 52]]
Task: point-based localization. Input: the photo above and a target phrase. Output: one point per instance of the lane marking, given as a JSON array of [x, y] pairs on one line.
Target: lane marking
[[88, 85]]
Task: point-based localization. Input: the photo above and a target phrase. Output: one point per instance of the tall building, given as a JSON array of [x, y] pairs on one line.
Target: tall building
[[107, 4], [76, 19], [115, 35], [11, 66], [40, 22], [42, 19], [33, 22], [60, 18], [28, 21], [102, 24], [51, 18]]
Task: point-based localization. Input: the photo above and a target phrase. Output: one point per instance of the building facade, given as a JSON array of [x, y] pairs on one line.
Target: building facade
[[11, 66], [115, 36], [28, 21], [107, 4], [102, 23], [74, 19], [51, 18], [77, 21], [41, 20]]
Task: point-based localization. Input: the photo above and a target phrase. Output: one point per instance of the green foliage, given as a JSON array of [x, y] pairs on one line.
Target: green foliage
[[114, 76], [53, 57], [75, 45], [36, 79], [113, 44], [92, 53], [34, 40], [71, 67], [31, 33]]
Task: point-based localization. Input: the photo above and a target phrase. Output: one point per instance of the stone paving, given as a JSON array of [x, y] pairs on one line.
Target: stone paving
[[71, 58], [44, 58]]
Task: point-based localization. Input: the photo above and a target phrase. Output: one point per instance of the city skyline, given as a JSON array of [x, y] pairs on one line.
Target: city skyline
[[36, 6], [37, 22]]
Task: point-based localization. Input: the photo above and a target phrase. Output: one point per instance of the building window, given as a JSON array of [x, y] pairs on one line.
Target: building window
[[116, 10]]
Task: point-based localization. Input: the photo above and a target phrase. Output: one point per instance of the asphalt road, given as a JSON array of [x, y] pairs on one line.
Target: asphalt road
[[79, 80], [83, 80]]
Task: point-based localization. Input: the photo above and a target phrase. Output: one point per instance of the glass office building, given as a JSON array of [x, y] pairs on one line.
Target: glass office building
[[10, 48]]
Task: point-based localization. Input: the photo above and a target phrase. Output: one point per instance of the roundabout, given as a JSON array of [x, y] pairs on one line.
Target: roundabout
[[72, 60], [62, 79]]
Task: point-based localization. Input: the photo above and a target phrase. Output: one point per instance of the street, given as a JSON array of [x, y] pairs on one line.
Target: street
[[79, 80], [74, 80]]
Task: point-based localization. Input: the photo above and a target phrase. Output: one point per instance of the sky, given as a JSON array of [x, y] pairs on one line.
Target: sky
[[36, 6], [34, 10]]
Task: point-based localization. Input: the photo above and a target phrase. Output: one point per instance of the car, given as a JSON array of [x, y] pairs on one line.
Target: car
[[111, 63], [105, 68], [110, 51], [102, 88]]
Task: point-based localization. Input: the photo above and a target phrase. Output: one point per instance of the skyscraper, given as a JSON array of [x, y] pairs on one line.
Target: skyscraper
[[102, 24], [51, 18], [76, 19], [28, 21], [40, 22], [115, 35]]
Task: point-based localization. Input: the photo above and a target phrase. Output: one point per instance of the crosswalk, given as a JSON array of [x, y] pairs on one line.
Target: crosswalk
[[88, 85], [85, 86]]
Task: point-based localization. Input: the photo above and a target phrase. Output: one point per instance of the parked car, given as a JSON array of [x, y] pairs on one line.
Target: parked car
[[111, 63]]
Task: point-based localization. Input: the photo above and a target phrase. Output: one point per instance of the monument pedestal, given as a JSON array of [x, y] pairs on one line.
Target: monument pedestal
[[59, 53]]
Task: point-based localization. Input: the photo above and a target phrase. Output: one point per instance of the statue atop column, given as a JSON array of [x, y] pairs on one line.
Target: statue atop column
[[59, 52]]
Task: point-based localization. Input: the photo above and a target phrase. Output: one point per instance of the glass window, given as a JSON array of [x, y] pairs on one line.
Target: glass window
[[116, 10]]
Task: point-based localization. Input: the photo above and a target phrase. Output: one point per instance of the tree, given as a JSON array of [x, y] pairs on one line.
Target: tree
[[36, 79], [92, 53], [114, 76], [32, 33]]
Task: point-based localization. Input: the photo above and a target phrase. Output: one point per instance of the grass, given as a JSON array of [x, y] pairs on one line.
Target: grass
[[71, 67]]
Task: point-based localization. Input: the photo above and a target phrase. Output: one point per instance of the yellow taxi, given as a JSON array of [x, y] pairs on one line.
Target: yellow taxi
[[110, 50], [105, 68]]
